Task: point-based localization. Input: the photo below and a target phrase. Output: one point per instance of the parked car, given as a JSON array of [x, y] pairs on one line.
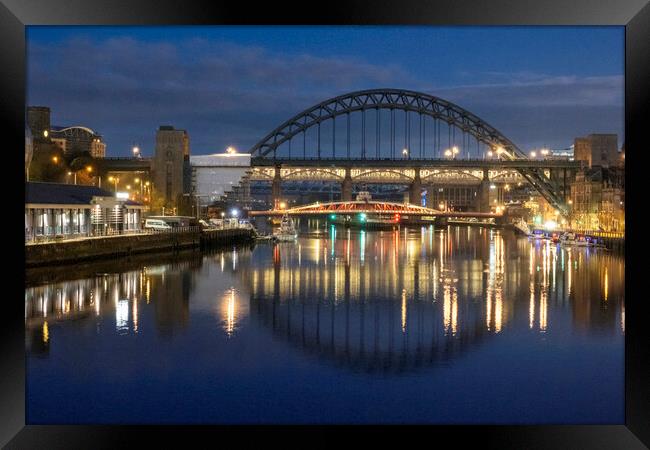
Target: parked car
[[156, 224]]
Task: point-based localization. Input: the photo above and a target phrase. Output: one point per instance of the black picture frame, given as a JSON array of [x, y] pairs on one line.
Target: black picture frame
[[633, 14]]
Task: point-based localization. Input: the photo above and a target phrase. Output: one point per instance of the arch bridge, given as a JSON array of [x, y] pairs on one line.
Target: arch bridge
[[439, 138]]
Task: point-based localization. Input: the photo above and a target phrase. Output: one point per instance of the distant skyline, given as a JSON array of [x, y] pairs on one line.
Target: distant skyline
[[540, 86]]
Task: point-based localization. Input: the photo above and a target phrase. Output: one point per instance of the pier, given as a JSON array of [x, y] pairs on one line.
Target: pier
[[92, 248]]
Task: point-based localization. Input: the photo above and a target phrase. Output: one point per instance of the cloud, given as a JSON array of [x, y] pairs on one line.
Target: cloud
[[125, 87], [539, 90], [225, 93]]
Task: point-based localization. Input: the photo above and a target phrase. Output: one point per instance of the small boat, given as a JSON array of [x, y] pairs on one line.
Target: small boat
[[521, 226], [537, 234], [577, 240], [264, 237], [287, 231]]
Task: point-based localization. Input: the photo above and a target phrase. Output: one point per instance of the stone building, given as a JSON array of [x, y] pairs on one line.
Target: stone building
[[78, 140], [598, 199], [171, 164], [599, 150], [70, 140], [38, 121], [29, 151]]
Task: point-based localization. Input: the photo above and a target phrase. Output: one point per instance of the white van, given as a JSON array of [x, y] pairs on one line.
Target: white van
[[156, 224]]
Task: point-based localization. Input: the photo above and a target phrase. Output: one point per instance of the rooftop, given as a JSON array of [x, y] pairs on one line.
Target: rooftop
[[64, 194]]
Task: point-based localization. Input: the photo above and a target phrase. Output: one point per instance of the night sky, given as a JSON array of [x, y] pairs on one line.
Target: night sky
[[540, 86]]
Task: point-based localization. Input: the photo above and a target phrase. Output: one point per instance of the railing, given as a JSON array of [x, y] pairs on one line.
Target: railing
[[604, 234], [106, 233], [592, 233]]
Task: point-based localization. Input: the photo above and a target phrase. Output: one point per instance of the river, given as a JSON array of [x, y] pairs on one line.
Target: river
[[420, 325]]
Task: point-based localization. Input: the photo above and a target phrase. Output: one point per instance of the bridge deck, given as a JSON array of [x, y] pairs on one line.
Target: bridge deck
[[387, 162]]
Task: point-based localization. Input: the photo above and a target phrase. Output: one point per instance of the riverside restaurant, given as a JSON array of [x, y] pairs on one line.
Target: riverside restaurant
[[55, 211]]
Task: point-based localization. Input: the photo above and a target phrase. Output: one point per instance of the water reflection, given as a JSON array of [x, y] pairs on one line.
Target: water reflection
[[373, 301], [432, 296]]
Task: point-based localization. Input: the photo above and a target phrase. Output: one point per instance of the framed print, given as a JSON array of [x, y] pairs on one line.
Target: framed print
[[377, 219]]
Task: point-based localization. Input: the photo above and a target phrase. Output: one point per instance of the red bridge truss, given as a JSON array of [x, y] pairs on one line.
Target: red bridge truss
[[367, 207]]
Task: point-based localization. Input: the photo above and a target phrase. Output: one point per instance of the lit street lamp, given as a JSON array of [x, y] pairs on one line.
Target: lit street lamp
[[115, 180], [405, 153], [75, 176], [136, 151], [533, 154]]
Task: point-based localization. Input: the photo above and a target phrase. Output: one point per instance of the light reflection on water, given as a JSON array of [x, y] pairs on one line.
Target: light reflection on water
[[390, 302]]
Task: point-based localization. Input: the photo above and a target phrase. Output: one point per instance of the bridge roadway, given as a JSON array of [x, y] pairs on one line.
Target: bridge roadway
[[412, 163], [124, 164], [116, 164]]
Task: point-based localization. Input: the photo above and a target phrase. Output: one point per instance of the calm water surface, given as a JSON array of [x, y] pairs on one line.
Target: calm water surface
[[451, 325]]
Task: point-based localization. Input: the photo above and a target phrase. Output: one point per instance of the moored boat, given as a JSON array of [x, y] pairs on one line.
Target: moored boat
[[577, 240], [521, 226], [287, 231]]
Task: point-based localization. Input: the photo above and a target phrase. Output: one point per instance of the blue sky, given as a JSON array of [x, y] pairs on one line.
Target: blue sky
[[540, 86]]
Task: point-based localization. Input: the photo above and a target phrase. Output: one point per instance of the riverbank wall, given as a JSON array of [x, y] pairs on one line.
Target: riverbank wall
[[93, 248]]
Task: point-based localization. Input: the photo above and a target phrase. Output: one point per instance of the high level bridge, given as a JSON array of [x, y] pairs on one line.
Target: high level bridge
[[403, 137]]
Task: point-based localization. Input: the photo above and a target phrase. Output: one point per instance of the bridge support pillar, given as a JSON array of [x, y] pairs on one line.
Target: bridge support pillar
[[276, 187], [431, 197], [346, 186], [415, 193], [483, 197]]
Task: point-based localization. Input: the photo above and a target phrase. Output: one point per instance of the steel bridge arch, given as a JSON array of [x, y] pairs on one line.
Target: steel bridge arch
[[409, 101], [401, 99]]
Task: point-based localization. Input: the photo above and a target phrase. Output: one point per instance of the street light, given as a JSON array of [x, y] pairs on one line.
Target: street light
[[231, 150], [405, 152], [455, 150], [55, 159], [136, 151], [138, 181], [448, 153], [490, 154], [115, 180], [533, 154], [75, 176]]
